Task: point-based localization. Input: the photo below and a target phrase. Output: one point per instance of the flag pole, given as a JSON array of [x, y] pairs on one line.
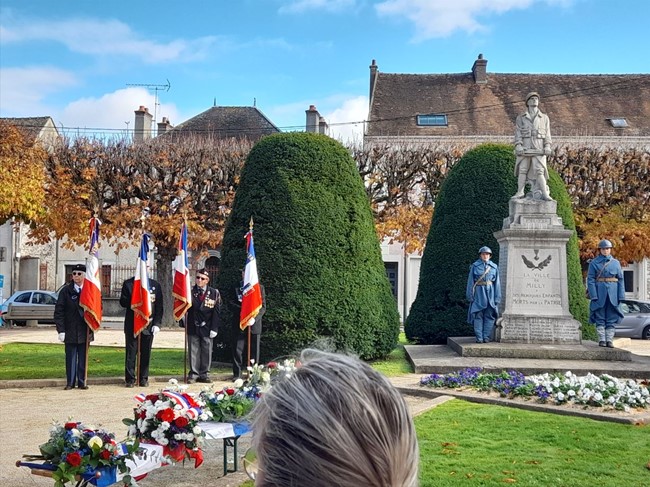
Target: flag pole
[[248, 362], [137, 355], [88, 329], [185, 345]]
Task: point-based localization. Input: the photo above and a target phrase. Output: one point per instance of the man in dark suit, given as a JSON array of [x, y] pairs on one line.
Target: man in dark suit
[[241, 337], [72, 329], [146, 335], [202, 320]]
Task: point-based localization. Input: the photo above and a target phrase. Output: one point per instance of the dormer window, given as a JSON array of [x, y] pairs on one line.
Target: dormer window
[[432, 120], [618, 123]]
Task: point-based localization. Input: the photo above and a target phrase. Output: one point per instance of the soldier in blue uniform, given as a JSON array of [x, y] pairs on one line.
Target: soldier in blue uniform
[[484, 294], [606, 289]]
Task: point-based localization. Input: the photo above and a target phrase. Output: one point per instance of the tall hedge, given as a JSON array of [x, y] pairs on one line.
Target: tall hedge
[[316, 249], [471, 206]]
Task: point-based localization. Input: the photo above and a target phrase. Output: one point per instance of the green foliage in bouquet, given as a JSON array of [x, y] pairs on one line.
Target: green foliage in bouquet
[[78, 450]]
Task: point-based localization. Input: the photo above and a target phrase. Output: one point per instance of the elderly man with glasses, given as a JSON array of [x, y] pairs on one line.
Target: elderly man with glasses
[[202, 321], [72, 329]]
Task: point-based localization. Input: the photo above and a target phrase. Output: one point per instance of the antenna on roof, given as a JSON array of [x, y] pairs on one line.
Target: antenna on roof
[[254, 102], [214, 103], [156, 89]]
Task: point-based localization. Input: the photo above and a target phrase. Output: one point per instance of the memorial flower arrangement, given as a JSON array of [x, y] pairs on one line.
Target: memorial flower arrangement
[[590, 390], [79, 450], [235, 402], [170, 418]]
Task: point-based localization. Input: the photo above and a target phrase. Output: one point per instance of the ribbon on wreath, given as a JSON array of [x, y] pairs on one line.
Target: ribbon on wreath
[[178, 454]]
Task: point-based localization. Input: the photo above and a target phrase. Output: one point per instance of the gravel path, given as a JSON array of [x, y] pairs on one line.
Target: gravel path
[[28, 413]]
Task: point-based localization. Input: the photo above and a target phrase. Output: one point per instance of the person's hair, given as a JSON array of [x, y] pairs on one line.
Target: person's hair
[[334, 422]]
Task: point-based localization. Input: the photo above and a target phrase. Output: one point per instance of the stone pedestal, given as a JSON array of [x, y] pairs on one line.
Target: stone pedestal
[[533, 270]]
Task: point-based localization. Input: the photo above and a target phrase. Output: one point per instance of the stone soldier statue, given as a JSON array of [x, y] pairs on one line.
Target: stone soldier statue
[[532, 145]]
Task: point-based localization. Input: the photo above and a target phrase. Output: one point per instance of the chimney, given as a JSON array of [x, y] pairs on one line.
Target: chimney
[[142, 129], [479, 70], [312, 119], [373, 78], [322, 126], [164, 126]]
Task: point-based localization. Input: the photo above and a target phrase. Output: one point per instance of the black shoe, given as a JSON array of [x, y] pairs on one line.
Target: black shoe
[[129, 384], [601, 344], [68, 387], [204, 380], [610, 345], [83, 387], [144, 383]]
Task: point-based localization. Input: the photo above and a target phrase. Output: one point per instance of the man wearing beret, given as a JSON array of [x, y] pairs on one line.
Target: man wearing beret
[[73, 330], [203, 320]]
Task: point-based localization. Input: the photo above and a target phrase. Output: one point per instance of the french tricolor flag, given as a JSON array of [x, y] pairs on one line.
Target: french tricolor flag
[[91, 291], [141, 298], [251, 302], [182, 290]]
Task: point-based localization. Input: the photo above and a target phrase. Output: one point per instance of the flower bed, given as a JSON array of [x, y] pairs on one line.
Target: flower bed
[[170, 418], [75, 450], [597, 391]]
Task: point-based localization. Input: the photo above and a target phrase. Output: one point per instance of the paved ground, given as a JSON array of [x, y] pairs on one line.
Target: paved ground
[[29, 407]]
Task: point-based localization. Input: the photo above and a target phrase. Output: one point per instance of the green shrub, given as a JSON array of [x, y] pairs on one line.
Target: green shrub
[[317, 252], [471, 206]]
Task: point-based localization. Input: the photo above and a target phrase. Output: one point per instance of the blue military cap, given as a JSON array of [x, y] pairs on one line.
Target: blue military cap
[[485, 250]]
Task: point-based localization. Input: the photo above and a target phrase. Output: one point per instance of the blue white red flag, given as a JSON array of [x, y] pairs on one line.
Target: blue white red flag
[[141, 297], [251, 302], [90, 298], [182, 290]]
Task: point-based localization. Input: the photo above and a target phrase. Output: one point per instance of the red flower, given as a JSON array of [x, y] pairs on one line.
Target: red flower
[[165, 415], [104, 454], [229, 390], [271, 365], [142, 415], [181, 422], [73, 459], [70, 426], [152, 397]]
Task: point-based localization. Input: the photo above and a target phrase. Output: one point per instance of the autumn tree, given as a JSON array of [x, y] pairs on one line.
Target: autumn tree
[[22, 175], [191, 178]]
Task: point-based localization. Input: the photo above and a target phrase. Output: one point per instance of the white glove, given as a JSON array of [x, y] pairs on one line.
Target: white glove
[[61, 337], [251, 322], [213, 333], [155, 329]]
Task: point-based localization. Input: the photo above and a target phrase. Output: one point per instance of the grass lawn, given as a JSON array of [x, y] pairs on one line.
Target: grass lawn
[[47, 361], [462, 443]]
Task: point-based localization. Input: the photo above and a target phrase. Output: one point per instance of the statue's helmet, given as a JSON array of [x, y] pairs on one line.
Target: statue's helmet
[[530, 95], [605, 244], [485, 250]]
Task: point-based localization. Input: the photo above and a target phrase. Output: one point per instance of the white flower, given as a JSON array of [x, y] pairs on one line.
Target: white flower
[[172, 382], [239, 383], [571, 393], [560, 396], [95, 441], [196, 430]]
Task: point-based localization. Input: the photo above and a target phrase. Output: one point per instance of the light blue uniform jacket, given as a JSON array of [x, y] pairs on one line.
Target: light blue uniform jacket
[[615, 290], [482, 297]]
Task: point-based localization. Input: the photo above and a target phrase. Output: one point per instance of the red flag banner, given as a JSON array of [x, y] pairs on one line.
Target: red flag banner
[[90, 298], [182, 290], [251, 302], [141, 298]]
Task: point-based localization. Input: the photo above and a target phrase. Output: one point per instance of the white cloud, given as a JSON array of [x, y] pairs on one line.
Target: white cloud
[[110, 113], [106, 37], [25, 89], [441, 18], [333, 6], [346, 121]]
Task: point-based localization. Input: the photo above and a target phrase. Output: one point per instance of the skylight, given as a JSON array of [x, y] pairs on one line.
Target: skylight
[[618, 123], [432, 120]]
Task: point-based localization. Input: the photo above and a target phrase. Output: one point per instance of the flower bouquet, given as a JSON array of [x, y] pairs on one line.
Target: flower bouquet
[[78, 452], [169, 418], [234, 403]]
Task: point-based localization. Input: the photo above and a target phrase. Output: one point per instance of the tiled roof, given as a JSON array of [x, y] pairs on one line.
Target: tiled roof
[[224, 122], [576, 104], [33, 125]]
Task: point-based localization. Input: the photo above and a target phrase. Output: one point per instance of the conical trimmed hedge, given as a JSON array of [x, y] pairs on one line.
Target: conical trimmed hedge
[[317, 252], [471, 206]]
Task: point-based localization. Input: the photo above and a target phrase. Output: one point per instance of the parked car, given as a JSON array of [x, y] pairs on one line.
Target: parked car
[[636, 322], [30, 298]]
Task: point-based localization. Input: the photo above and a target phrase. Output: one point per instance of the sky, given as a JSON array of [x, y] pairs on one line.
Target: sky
[[90, 64]]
